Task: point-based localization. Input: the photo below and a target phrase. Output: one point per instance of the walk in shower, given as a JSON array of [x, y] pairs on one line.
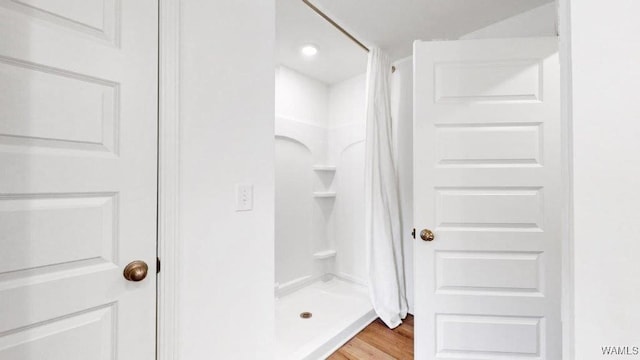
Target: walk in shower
[[320, 287], [320, 265]]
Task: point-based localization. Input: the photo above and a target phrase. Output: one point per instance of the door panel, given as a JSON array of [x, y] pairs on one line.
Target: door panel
[[487, 182], [78, 145]]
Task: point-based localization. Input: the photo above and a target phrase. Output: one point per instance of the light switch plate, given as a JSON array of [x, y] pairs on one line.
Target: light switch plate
[[244, 197]]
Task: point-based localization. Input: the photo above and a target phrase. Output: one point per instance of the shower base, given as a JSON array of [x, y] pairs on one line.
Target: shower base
[[339, 310]]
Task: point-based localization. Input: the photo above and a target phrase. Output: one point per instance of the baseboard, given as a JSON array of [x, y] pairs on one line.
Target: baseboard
[[351, 279], [281, 290], [293, 285]]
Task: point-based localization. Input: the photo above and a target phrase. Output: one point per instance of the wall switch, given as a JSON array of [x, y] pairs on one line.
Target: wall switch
[[244, 197]]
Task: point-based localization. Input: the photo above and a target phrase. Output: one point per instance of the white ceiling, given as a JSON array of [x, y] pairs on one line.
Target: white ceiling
[[391, 25], [338, 57]]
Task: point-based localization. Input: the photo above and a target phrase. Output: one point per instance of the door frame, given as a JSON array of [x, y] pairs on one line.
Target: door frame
[[168, 241], [566, 120]]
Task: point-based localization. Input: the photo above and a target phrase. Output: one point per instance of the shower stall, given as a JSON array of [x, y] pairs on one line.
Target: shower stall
[[320, 289]]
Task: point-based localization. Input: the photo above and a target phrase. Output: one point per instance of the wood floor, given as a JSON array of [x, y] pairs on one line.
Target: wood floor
[[379, 342]]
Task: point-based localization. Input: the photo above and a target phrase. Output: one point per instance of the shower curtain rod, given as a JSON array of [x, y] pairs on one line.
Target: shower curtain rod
[[335, 24], [340, 28]]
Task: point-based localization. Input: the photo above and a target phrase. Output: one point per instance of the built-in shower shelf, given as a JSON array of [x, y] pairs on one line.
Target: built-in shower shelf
[[330, 168], [325, 254], [324, 194]]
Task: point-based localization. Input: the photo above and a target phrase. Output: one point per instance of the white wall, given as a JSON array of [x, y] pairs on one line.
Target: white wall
[[604, 77], [293, 217], [347, 102], [226, 111], [540, 21], [301, 98]]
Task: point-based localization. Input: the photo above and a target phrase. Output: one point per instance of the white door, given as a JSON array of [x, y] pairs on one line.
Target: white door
[[78, 136], [487, 183]]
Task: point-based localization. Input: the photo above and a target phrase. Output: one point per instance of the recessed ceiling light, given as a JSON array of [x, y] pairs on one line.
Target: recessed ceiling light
[[309, 50]]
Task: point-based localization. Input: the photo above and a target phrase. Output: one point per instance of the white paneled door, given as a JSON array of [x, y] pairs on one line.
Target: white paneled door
[[78, 145], [487, 183]]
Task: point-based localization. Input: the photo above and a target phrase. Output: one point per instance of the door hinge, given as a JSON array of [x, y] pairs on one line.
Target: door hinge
[[413, 233], [157, 265]]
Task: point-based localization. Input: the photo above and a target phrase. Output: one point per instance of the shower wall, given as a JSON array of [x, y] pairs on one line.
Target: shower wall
[[346, 149], [301, 98], [319, 124], [300, 225], [293, 250], [319, 180]]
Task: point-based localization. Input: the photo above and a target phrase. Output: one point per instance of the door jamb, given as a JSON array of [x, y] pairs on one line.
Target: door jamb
[[567, 301], [167, 326]]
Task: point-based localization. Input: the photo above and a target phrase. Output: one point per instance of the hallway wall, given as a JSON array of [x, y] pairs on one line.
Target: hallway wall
[[226, 114], [601, 51]]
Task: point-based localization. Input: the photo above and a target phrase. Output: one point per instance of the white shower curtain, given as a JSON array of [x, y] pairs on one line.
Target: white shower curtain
[[384, 241]]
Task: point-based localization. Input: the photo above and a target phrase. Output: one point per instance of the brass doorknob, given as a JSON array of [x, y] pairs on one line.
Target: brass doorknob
[[427, 235], [135, 271]]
